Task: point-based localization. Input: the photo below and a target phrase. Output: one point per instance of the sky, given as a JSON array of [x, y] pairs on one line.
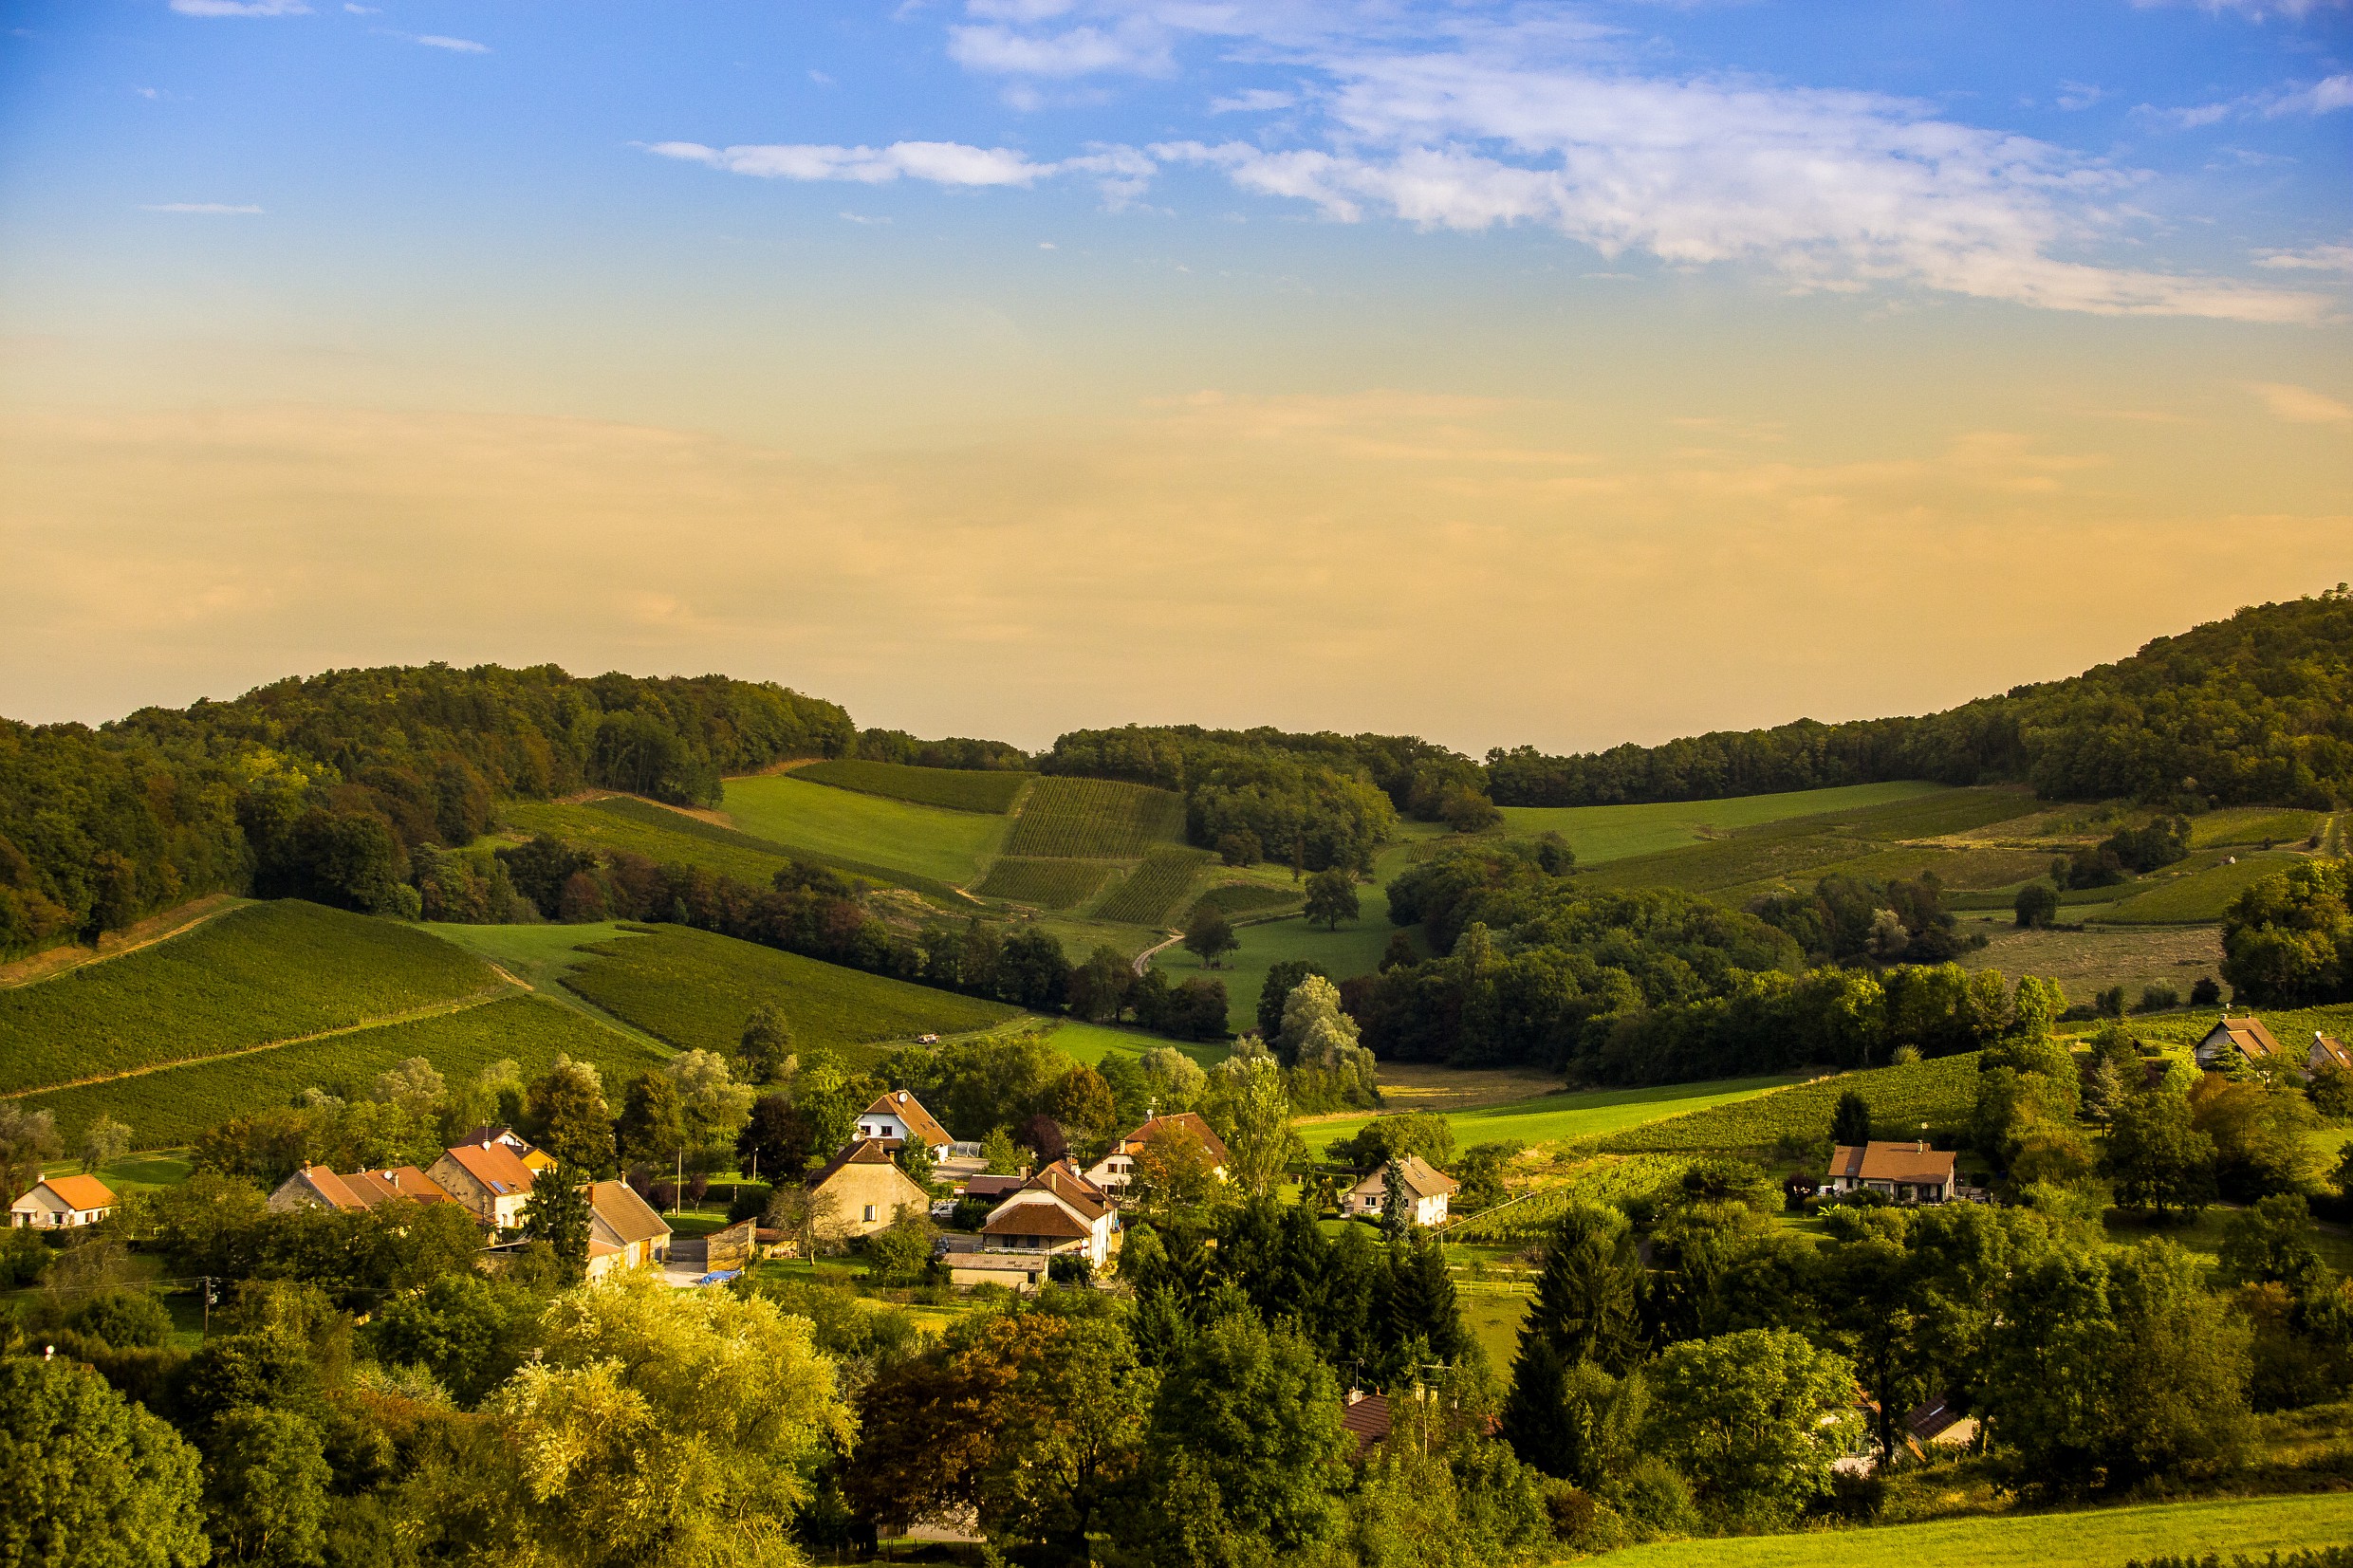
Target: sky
[[1550, 374]]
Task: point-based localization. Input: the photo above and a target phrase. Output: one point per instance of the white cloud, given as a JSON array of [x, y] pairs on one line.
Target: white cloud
[[2255, 10], [1080, 51], [241, 8], [456, 46], [941, 162], [200, 209], [2301, 405], [146, 92], [2079, 95], [861, 217], [2321, 98], [2317, 258], [362, 10], [1256, 100]]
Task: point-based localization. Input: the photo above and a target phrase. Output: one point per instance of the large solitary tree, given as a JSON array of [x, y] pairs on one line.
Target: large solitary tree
[[1209, 935]]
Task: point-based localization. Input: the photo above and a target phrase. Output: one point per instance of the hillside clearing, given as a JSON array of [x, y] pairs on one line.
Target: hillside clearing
[[2202, 895], [2088, 962], [925, 841], [1091, 1043], [1604, 832]]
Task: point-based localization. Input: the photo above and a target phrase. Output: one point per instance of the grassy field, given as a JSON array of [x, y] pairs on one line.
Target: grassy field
[[268, 971], [2196, 897], [2103, 1538], [657, 833], [1567, 1118], [1604, 832], [1245, 899], [925, 841], [693, 990], [1940, 1091], [1354, 948], [1091, 1043], [1047, 884], [2088, 962], [1095, 820], [956, 788], [148, 1171], [1877, 841], [2253, 824], [171, 1106], [1154, 889]]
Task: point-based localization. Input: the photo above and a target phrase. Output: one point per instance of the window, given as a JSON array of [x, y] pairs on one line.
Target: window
[[869, 1215]]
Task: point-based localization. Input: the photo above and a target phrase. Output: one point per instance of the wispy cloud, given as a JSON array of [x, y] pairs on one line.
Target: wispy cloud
[[2301, 405], [1256, 100], [241, 8], [1122, 172], [2317, 258], [2255, 10], [201, 209], [456, 46], [362, 10]]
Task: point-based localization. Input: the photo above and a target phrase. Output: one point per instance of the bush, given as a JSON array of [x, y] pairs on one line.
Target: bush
[[2206, 993], [2037, 904], [2157, 999]]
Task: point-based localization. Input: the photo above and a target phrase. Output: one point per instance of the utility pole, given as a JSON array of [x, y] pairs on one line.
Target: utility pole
[[208, 1308]]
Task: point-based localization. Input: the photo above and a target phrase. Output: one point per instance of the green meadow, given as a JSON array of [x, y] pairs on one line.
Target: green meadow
[[267, 972], [1091, 1043], [946, 846], [957, 789], [1354, 948], [1567, 1118], [2196, 897], [639, 827], [1601, 833], [2102, 1538], [1940, 1091]]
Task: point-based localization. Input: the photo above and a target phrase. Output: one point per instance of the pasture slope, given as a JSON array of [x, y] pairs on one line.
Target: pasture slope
[[694, 991], [172, 1105], [266, 972], [1091, 1043], [2099, 1538], [1604, 833], [865, 833], [660, 835], [2194, 897], [991, 792]]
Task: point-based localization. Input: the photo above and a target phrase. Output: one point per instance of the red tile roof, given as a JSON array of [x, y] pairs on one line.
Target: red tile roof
[[494, 1166], [1176, 1124], [1365, 1416], [1909, 1161], [1037, 1219], [2247, 1033], [908, 1109]]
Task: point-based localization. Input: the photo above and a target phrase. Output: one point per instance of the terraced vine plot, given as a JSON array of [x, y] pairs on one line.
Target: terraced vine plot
[[1095, 820], [957, 789], [694, 991], [1150, 894], [1049, 884], [2199, 897], [172, 1105], [270, 972]]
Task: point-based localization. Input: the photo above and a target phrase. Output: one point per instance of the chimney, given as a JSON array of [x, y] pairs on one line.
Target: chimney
[[1355, 1394]]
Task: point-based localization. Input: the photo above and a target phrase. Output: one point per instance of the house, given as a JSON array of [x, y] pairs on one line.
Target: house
[[2327, 1051], [1909, 1171], [898, 1116], [859, 1191], [62, 1203], [624, 1230], [538, 1159], [1426, 1187], [1056, 1210], [994, 1187], [1365, 1418], [1117, 1169], [2236, 1039], [489, 1178], [315, 1187], [1014, 1270]]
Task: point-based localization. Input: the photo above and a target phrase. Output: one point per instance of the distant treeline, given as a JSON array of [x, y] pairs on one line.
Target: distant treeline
[[897, 746], [323, 786]]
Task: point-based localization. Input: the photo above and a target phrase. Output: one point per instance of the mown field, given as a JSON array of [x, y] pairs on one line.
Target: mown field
[[694, 991], [1095, 820], [1047, 884], [1604, 833], [268, 971], [171, 1106], [1568, 1117], [954, 789], [1153, 890], [2102, 1538], [944, 847], [2088, 962], [1941, 1091], [1869, 840]]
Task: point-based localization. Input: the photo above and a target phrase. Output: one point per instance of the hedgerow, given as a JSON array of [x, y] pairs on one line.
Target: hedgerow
[[269, 971]]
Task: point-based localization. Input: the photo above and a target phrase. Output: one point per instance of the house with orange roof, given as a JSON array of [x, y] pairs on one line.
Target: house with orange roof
[[489, 1178], [1427, 1187], [898, 1116], [1117, 1170], [623, 1229], [538, 1159], [60, 1203], [2328, 1051], [1056, 1210], [317, 1187], [1907, 1171]]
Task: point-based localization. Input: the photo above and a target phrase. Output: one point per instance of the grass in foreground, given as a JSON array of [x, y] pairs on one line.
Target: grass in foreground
[[925, 841], [171, 1106], [269, 971], [957, 789], [694, 991], [2096, 1538], [1602, 833], [1566, 1118]]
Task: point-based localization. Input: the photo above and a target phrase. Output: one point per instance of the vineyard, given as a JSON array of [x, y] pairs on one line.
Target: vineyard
[[1095, 820], [2254, 824], [1245, 899], [1150, 894], [696, 991], [171, 1106], [1607, 1179], [270, 972], [925, 847], [2195, 898], [639, 827], [1941, 1091], [1049, 884], [954, 789]]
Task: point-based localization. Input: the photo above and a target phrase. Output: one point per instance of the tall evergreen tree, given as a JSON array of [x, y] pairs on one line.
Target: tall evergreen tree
[[1589, 1299], [1850, 1124], [557, 1213]]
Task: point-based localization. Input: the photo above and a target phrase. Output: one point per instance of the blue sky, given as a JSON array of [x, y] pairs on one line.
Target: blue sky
[[1940, 288]]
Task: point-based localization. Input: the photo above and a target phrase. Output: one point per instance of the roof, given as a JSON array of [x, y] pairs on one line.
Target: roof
[[989, 1186], [494, 1166], [330, 1189], [1036, 1219], [81, 1192], [1422, 1179], [374, 1187], [627, 1216], [1063, 1180], [1908, 1161], [2246, 1032], [908, 1109], [1365, 1416], [2328, 1049], [1178, 1124]]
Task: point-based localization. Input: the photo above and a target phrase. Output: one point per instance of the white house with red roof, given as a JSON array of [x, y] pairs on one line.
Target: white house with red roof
[[1908, 1171], [1428, 1188], [2232, 1040], [1114, 1170], [898, 1116], [1056, 1210]]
